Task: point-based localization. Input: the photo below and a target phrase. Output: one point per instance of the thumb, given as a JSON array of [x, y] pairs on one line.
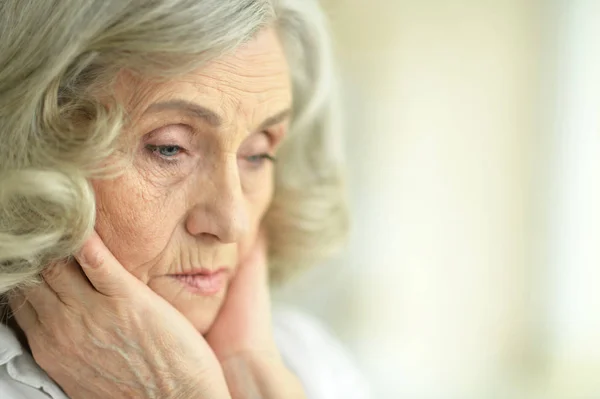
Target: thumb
[[103, 270]]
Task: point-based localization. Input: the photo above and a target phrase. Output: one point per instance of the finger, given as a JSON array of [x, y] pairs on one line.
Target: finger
[[23, 312], [251, 280], [103, 270], [248, 293], [42, 298], [244, 321], [66, 280]]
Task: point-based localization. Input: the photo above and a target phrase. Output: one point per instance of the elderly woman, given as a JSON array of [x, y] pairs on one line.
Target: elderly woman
[[154, 154]]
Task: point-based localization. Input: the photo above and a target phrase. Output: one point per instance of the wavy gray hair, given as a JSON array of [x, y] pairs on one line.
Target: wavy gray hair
[[58, 62]]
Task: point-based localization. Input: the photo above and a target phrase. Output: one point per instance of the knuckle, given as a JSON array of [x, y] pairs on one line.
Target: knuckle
[[53, 271], [92, 257]]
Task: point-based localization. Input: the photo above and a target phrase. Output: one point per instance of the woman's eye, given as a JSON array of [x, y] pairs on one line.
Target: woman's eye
[[259, 159], [165, 151]]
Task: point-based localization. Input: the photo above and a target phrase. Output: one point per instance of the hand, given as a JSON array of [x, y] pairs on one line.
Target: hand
[[109, 335], [242, 336], [243, 324]]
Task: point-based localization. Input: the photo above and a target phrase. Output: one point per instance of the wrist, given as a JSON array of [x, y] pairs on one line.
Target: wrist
[[197, 382], [260, 375]]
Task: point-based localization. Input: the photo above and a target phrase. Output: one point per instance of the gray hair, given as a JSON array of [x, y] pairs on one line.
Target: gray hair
[[58, 62]]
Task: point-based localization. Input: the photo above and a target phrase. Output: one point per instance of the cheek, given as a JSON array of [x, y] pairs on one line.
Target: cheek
[[133, 220]]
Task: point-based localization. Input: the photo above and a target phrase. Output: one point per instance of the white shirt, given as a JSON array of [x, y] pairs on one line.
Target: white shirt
[[320, 362]]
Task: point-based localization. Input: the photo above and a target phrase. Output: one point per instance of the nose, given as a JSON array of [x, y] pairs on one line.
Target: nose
[[220, 208]]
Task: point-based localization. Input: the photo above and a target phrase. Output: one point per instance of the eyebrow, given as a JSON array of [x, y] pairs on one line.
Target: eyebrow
[[195, 110], [209, 116], [275, 119]]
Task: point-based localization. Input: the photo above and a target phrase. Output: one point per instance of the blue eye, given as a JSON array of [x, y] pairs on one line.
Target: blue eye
[[166, 151]]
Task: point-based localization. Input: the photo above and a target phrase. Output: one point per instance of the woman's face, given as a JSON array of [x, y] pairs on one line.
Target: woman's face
[[187, 210]]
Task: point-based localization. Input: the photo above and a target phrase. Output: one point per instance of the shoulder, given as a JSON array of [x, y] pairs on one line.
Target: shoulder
[[320, 361]]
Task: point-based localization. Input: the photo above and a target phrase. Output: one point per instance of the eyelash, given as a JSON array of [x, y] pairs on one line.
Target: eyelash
[[259, 159], [256, 160], [155, 150]]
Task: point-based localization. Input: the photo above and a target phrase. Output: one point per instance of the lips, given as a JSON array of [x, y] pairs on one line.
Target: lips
[[203, 282]]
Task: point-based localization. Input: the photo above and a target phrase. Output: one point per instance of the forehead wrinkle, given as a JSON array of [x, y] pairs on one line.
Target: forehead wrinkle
[[259, 87]]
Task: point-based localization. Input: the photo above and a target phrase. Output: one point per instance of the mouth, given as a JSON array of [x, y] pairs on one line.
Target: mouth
[[203, 282]]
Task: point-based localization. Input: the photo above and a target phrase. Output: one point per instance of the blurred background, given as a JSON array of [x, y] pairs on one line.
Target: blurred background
[[473, 150]]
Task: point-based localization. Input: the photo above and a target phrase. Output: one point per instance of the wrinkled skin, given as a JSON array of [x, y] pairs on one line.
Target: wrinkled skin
[[194, 197], [200, 206]]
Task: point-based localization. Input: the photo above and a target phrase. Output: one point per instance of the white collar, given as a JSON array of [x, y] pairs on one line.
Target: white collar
[[21, 367], [10, 347]]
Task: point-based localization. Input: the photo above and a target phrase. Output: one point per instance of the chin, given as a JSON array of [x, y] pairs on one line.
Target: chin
[[202, 315], [200, 310]]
